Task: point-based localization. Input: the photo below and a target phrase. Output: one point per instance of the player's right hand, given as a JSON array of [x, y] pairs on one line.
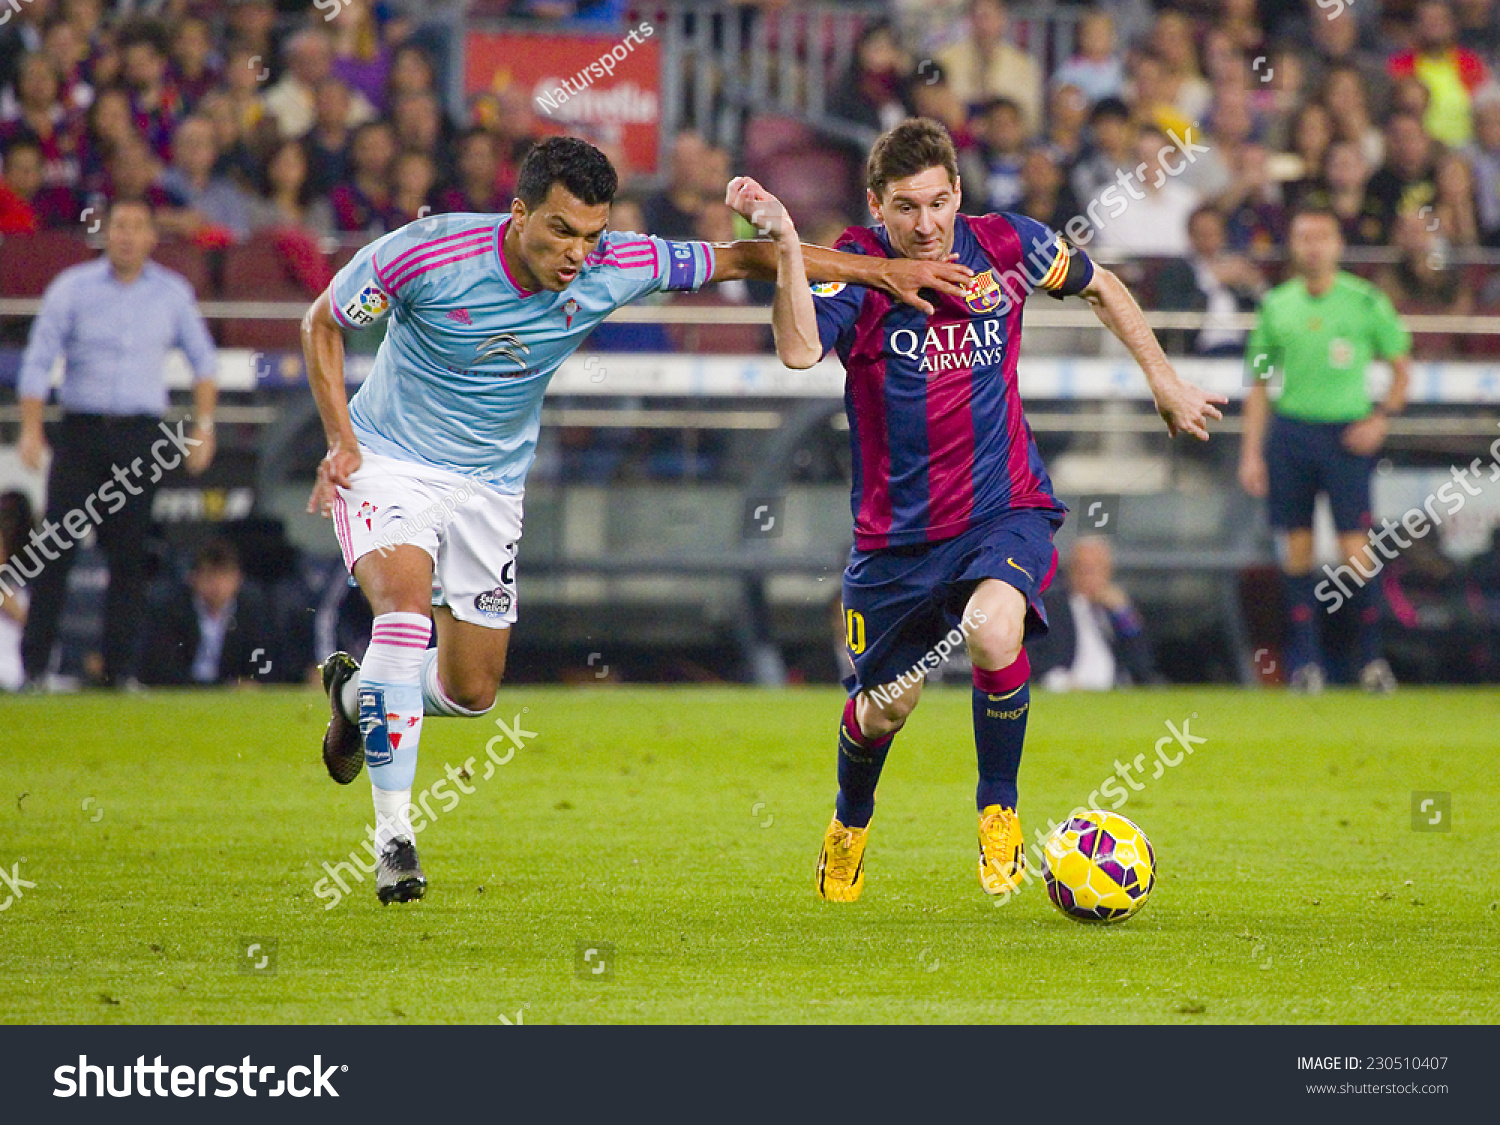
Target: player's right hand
[[1253, 476], [905, 278], [32, 449], [334, 471]]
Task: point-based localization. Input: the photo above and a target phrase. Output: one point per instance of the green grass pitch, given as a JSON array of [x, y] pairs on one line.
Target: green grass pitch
[[676, 830]]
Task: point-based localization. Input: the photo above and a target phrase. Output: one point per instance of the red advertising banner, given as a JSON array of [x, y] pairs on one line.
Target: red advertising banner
[[605, 88]]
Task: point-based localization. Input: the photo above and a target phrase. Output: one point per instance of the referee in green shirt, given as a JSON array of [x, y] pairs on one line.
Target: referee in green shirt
[[1318, 333]]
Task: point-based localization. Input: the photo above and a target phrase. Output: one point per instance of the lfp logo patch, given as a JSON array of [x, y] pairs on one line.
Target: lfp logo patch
[[827, 288], [982, 293], [367, 306]]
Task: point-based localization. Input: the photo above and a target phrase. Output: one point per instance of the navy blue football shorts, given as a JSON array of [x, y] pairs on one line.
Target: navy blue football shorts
[[1305, 458], [900, 602]]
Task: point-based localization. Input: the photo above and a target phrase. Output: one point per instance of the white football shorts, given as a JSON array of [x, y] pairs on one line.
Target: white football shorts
[[469, 529]]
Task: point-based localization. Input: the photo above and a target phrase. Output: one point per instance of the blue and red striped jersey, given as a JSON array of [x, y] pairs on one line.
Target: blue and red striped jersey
[[939, 438]]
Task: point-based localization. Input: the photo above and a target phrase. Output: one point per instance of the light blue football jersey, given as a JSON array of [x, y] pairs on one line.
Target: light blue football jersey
[[458, 380]]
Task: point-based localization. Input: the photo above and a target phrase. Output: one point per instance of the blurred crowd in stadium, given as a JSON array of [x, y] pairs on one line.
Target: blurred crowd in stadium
[[300, 129]]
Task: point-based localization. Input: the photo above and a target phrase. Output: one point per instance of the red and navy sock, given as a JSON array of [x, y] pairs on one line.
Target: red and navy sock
[[1002, 700], [860, 763], [1302, 644]]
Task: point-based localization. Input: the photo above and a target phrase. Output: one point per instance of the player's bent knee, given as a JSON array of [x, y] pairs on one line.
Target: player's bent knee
[[997, 645]]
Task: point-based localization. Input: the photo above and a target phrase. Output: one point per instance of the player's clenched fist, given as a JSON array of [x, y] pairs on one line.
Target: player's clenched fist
[[746, 197]]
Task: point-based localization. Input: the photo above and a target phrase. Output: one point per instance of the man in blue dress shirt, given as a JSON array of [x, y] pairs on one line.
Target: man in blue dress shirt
[[113, 321]]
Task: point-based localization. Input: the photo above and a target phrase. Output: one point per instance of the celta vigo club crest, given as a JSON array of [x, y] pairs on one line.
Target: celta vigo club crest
[[982, 293]]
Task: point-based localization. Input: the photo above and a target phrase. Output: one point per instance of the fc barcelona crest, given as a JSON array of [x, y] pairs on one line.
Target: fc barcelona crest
[[982, 293]]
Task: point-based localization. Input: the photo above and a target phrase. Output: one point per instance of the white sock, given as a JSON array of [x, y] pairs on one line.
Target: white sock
[[392, 821], [435, 700], [349, 699]]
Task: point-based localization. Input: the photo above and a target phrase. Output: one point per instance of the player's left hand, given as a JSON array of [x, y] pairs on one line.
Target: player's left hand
[[763, 209], [201, 456], [1186, 408], [1365, 437], [334, 471]]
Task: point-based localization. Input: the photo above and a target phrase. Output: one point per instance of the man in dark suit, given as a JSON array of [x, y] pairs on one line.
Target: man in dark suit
[[214, 630], [1096, 640]]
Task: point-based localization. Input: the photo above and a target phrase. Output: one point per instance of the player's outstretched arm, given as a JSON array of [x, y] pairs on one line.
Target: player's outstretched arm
[[1184, 407], [323, 350], [794, 324], [903, 278]]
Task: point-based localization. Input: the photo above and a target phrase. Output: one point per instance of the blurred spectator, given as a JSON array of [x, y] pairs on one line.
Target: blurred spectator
[[995, 168], [413, 178], [929, 94], [1423, 281], [194, 71], [1240, 21], [17, 522], [1410, 95], [292, 101], [476, 186], [1209, 173], [1404, 184], [1067, 119], [215, 629], [984, 66], [1478, 25], [143, 65], [1484, 160], [1453, 204], [1450, 73], [511, 119], [1212, 281], [1254, 215], [1045, 195], [870, 92], [1345, 96], [109, 124], [1152, 104], [287, 197], [1335, 43], [1172, 43], [363, 205], [42, 120], [362, 59], [1154, 218], [1097, 640], [1342, 191], [1312, 134], [412, 72], [21, 170], [671, 212], [327, 142], [420, 126], [197, 196], [242, 86], [67, 54], [21, 35], [1111, 146], [234, 160], [252, 29], [134, 175], [1096, 68], [17, 216]]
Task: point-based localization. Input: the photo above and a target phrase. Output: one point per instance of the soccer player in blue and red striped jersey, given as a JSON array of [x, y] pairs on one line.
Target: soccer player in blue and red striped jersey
[[953, 511]]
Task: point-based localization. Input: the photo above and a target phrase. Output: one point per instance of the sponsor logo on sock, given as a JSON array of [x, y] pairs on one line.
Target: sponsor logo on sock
[[374, 727]]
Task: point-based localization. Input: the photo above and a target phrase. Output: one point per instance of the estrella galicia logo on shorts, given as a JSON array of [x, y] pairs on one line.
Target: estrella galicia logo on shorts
[[493, 603]]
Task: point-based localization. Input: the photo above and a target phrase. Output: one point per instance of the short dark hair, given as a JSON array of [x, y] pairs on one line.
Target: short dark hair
[[913, 146], [132, 201], [1109, 107], [216, 554], [581, 168], [20, 141], [1313, 208], [148, 32], [993, 104]]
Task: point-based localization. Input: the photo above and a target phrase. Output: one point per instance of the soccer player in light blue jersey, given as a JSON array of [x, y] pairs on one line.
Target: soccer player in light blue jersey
[[426, 466]]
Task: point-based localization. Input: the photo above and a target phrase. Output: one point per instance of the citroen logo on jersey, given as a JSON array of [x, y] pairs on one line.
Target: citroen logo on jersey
[[504, 345]]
